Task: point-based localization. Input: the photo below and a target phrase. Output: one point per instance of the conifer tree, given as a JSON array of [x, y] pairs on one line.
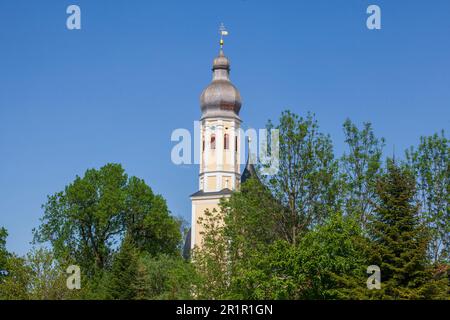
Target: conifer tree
[[399, 240], [121, 281]]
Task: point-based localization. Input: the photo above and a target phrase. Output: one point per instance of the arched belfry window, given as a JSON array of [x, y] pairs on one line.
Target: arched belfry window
[[203, 144], [226, 141], [235, 144], [213, 141]]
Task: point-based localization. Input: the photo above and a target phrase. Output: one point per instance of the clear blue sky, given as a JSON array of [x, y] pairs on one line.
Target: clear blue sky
[[115, 90]]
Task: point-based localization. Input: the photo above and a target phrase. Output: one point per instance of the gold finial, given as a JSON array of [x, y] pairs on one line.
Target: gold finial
[[223, 32]]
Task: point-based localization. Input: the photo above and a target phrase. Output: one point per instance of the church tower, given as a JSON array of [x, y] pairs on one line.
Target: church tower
[[220, 146]]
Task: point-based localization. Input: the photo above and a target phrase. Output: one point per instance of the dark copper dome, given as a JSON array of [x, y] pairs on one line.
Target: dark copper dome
[[220, 98]]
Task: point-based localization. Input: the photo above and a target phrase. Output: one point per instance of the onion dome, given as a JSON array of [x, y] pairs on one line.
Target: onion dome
[[220, 98]]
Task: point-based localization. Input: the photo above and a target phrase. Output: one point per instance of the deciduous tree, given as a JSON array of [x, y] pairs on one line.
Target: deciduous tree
[[430, 163], [86, 221], [360, 165]]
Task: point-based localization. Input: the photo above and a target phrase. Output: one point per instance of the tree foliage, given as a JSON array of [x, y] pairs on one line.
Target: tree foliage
[[3, 253], [245, 258], [306, 183], [311, 230], [14, 285], [14, 274], [47, 277], [399, 240], [430, 163], [308, 231], [165, 277], [360, 167], [86, 221], [121, 280]]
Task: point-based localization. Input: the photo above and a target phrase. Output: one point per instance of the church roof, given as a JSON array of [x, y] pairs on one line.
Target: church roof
[[222, 192], [187, 245], [249, 172]]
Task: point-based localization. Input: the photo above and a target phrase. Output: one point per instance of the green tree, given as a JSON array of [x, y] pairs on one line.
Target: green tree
[[142, 276], [272, 272], [3, 253], [431, 165], [14, 274], [211, 260], [14, 285], [47, 278], [235, 239], [246, 257], [165, 277], [333, 261], [306, 183], [399, 240], [252, 218], [87, 220], [121, 280], [327, 263], [361, 167], [148, 223]]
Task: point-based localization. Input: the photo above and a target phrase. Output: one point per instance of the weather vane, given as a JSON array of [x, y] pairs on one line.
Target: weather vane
[[223, 32]]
